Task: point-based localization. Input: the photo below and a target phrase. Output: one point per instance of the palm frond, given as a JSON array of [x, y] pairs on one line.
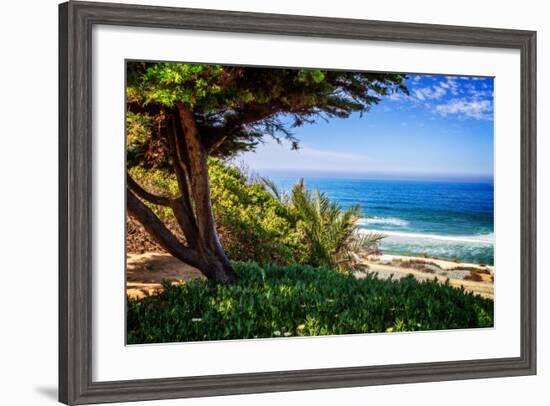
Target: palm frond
[[272, 187], [332, 234]]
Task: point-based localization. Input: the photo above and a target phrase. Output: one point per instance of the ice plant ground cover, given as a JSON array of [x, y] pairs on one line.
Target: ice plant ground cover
[[296, 300]]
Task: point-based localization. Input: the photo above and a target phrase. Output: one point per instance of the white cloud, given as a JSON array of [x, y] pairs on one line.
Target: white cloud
[[450, 95], [272, 155], [478, 109], [429, 93], [306, 152], [438, 90], [396, 96], [451, 85], [480, 93]]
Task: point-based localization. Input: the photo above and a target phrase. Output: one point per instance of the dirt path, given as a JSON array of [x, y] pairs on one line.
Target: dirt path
[[144, 272]]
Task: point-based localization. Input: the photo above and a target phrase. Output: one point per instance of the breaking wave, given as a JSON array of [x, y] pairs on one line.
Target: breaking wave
[[393, 221], [484, 239]]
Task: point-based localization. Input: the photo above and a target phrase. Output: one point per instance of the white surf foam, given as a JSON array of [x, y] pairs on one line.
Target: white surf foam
[[485, 239], [394, 221]]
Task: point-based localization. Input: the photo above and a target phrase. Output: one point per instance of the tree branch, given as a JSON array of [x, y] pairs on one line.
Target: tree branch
[[138, 190], [154, 226]]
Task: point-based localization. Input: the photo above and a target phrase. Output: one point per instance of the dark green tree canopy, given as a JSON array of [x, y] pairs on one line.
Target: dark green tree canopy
[[179, 114], [235, 106]]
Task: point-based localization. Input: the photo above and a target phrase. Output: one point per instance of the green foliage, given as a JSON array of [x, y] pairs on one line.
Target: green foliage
[[252, 224], [195, 84], [138, 129], [209, 87], [160, 182], [280, 301], [257, 222], [246, 103], [331, 234]]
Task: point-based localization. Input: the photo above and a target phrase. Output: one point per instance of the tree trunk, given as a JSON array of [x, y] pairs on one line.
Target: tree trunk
[[199, 182], [192, 209], [194, 254]]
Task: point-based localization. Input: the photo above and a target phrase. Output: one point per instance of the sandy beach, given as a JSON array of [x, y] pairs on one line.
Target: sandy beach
[[474, 278], [145, 272]]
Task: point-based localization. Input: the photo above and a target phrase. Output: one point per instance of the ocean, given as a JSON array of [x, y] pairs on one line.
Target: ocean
[[444, 219]]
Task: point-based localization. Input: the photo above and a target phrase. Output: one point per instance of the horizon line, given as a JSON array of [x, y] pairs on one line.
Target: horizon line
[[379, 175]]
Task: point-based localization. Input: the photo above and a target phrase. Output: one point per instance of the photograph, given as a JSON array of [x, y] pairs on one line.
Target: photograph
[[284, 202]]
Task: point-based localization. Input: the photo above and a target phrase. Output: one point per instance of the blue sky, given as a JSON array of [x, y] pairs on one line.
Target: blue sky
[[443, 129]]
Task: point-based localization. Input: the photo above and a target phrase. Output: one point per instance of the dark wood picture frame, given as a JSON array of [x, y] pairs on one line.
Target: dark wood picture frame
[[76, 20]]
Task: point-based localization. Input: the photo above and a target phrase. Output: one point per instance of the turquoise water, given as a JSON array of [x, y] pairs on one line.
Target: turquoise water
[[447, 219]]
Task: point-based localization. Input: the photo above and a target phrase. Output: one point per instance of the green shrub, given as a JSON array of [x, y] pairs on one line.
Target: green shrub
[[256, 222], [253, 226], [279, 301], [159, 182], [330, 233]]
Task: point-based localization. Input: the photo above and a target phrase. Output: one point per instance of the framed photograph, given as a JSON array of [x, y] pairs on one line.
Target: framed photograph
[[259, 202]]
